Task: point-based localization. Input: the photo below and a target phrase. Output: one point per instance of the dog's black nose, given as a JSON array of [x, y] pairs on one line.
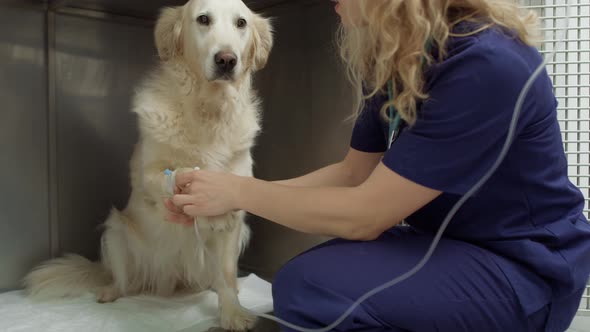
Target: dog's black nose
[[226, 61]]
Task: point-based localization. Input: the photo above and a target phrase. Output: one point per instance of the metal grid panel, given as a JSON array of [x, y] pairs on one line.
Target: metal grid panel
[[570, 72]]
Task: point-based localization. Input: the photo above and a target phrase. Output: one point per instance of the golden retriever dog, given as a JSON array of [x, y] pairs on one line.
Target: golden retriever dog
[[197, 108]]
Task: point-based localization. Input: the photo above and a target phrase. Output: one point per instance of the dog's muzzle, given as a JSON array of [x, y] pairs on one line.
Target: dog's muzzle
[[225, 63]]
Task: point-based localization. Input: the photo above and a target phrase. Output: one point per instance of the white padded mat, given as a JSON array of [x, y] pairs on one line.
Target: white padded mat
[[192, 313]]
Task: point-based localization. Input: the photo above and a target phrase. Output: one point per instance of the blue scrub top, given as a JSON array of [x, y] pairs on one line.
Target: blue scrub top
[[528, 214]]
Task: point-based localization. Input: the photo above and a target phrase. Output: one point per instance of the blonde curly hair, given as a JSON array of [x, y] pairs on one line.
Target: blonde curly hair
[[391, 43]]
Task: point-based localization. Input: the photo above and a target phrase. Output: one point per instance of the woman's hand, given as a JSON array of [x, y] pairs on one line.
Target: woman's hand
[[176, 215], [204, 194]]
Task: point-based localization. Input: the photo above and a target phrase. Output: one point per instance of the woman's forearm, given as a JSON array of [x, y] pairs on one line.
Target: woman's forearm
[[360, 212], [332, 211], [335, 175]]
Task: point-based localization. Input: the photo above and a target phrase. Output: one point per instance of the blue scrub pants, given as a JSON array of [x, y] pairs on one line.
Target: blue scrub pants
[[460, 289]]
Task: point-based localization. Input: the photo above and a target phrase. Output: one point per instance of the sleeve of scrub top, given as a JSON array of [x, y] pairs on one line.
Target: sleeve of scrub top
[[462, 127], [368, 134]]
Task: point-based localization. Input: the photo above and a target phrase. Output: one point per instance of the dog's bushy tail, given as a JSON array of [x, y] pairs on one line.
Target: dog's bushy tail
[[68, 276]]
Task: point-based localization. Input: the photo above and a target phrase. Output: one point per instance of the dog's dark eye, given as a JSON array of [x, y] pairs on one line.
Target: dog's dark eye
[[203, 20], [242, 23]]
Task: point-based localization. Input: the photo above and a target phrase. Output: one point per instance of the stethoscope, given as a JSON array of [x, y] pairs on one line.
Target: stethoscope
[[394, 118]]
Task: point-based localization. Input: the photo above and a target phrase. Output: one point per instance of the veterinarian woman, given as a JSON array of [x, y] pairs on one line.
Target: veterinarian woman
[[517, 255]]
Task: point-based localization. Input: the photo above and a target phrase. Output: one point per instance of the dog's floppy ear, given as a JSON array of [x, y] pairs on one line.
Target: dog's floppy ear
[[262, 42], [168, 33]]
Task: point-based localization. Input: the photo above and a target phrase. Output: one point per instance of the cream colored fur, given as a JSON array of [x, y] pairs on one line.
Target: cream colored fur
[[187, 117]]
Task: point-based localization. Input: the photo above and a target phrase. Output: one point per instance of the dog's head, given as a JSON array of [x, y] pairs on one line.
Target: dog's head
[[221, 40]]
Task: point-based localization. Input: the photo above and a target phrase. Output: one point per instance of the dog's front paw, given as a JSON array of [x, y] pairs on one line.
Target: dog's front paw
[[236, 318], [108, 294]]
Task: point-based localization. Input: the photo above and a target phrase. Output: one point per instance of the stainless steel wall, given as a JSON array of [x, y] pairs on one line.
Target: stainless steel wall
[[24, 218], [97, 66], [66, 133], [65, 156]]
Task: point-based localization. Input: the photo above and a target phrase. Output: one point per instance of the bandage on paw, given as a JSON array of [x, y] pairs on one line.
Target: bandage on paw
[[170, 181]]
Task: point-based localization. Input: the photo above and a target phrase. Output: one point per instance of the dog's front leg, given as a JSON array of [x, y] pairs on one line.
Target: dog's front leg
[[148, 173], [240, 165], [223, 223], [227, 246]]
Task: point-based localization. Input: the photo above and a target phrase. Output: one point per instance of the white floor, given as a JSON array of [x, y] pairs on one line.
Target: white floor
[[191, 312], [580, 324]]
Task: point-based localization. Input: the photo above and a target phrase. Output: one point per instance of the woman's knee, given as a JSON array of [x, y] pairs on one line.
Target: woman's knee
[[290, 276], [293, 278], [286, 289], [307, 296], [280, 285]]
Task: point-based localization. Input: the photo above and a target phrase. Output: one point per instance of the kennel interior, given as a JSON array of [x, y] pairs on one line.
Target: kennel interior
[[68, 69]]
